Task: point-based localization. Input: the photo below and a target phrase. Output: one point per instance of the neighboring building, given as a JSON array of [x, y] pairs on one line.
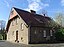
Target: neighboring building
[[29, 27]]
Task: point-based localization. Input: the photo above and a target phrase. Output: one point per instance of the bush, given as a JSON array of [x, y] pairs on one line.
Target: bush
[[1, 37], [59, 34]]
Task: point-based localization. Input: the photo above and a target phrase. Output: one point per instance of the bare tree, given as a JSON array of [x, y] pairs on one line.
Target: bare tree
[[59, 18]]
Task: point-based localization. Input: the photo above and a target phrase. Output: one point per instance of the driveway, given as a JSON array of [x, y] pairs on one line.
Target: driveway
[[9, 44]]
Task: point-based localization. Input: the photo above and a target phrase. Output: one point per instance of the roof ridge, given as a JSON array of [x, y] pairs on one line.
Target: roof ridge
[[20, 9]]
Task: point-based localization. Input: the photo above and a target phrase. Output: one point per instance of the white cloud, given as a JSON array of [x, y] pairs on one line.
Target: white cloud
[[27, 9], [30, 1], [36, 5], [6, 3], [62, 2]]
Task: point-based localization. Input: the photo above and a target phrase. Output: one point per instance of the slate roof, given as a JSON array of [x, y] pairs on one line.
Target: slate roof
[[31, 19]]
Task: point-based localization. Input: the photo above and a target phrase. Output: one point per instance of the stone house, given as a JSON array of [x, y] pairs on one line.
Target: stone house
[[28, 27]]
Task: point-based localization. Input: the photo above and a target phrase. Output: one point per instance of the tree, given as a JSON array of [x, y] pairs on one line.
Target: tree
[[1, 37], [2, 29], [3, 34], [60, 34], [60, 18]]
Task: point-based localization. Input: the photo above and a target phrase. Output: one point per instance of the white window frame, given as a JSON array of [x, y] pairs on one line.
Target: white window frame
[[44, 33], [51, 33], [35, 31], [22, 25]]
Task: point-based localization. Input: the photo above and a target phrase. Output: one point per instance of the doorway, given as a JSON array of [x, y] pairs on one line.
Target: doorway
[[16, 35]]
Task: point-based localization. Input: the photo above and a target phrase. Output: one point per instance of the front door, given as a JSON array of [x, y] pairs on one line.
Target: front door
[[16, 35]]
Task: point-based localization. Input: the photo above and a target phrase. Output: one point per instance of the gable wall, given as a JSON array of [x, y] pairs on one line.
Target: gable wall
[[21, 33], [14, 13]]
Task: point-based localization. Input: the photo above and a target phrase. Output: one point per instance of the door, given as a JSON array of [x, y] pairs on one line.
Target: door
[[16, 35]]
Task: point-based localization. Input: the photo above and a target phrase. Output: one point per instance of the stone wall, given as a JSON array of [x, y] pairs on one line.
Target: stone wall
[[22, 33]]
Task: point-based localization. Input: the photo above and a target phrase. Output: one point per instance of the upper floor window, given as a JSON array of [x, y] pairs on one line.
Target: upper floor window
[[44, 33], [50, 32], [12, 23], [16, 21], [22, 25]]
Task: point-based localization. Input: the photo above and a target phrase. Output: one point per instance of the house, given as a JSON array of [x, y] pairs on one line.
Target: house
[[29, 27]]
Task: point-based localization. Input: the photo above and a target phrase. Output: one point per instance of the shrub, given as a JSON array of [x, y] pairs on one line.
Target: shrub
[[59, 34], [1, 37]]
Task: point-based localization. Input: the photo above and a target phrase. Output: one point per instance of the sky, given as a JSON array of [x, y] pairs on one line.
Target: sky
[[50, 7]]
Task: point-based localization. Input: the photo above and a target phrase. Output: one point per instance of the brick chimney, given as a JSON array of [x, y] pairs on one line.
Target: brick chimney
[[33, 12]]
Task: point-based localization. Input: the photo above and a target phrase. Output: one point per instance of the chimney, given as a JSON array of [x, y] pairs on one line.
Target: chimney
[[33, 12], [44, 14]]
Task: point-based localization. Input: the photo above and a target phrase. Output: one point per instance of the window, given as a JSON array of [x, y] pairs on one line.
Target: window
[[22, 25], [50, 32], [16, 21], [44, 33], [35, 31], [12, 23]]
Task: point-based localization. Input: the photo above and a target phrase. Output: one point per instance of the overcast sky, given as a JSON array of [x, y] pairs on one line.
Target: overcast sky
[[51, 6]]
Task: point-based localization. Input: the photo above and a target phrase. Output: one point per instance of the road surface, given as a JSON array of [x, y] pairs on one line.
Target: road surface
[[9, 44]]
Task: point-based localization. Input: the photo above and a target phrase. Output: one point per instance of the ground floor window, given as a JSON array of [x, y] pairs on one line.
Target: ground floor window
[[35, 31], [44, 33], [51, 33]]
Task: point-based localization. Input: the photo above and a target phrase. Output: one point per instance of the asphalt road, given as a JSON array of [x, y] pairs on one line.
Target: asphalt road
[[9, 44]]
